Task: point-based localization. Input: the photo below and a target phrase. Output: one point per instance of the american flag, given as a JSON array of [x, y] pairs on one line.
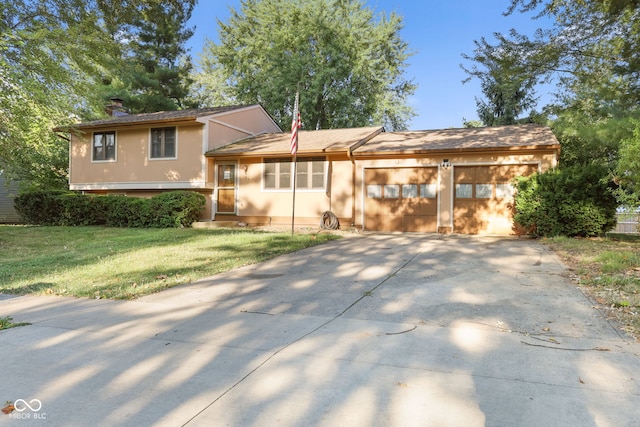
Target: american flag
[[295, 125]]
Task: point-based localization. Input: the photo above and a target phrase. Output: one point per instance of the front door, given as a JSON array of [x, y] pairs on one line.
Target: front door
[[226, 186]]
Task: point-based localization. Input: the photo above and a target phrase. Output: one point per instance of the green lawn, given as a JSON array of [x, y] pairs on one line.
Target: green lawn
[[122, 263], [125, 263], [608, 270]]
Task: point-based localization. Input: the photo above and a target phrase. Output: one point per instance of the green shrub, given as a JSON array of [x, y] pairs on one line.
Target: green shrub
[[76, 209], [176, 209], [171, 209], [41, 207], [573, 201], [120, 211]]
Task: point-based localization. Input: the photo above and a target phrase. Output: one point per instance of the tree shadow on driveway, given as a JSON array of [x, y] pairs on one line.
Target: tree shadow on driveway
[[382, 330]]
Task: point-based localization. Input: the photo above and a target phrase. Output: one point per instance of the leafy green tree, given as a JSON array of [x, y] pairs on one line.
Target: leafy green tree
[[591, 54], [347, 62], [56, 57], [47, 47], [472, 123], [627, 172]]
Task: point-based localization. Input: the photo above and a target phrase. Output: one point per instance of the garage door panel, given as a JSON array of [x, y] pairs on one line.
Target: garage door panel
[[504, 205], [428, 175], [419, 224], [407, 176], [490, 208], [392, 206], [410, 207], [485, 174], [465, 174], [374, 207], [484, 207], [464, 207], [504, 173], [428, 207], [500, 207], [467, 225], [377, 176], [404, 212], [383, 223]]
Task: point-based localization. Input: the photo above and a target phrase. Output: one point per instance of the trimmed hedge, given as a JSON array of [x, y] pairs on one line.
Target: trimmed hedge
[[170, 209]]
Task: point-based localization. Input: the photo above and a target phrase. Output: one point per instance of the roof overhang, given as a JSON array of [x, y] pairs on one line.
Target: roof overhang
[[454, 150], [79, 128], [319, 143]]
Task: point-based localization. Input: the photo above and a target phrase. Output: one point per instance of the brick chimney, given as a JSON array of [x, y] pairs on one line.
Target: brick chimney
[[116, 109]]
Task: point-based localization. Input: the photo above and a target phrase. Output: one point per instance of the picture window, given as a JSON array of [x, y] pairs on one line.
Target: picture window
[[310, 174]]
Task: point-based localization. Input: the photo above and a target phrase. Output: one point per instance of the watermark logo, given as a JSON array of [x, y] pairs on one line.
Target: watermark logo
[[21, 405], [23, 409]]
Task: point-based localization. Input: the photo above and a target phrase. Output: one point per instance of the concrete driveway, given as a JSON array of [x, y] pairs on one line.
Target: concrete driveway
[[373, 330]]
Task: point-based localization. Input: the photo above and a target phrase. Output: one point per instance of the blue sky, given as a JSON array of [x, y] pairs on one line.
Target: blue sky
[[437, 31]]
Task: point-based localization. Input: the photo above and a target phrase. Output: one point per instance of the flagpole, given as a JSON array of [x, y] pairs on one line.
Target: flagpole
[[295, 170], [295, 126]]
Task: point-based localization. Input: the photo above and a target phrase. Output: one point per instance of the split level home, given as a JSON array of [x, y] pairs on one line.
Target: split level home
[[434, 181]]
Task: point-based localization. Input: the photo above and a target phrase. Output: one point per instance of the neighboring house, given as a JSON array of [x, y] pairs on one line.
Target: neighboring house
[[453, 180], [8, 192]]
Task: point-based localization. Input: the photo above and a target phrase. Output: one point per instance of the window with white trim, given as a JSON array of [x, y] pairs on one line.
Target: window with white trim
[[310, 174], [163, 143], [104, 146]]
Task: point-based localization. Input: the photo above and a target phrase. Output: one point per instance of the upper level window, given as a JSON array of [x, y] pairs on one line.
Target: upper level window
[[104, 146], [310, 174], [163, 143]]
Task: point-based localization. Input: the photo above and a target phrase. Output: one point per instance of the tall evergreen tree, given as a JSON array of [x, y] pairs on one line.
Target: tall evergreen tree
[[509, 92], [157, 66]]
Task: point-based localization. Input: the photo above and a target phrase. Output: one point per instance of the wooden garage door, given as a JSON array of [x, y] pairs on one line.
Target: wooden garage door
[[484, 198], [401, 199]]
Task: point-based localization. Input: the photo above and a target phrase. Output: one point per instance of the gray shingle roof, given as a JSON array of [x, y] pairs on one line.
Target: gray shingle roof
[[373, 140], [160, 116], [310, 141], [503, 137]]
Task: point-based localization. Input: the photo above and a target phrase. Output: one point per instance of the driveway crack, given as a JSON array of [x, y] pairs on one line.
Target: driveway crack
[[322, 325]]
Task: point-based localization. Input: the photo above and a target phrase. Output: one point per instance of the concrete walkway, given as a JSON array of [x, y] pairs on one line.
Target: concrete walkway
[[374, 330]]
